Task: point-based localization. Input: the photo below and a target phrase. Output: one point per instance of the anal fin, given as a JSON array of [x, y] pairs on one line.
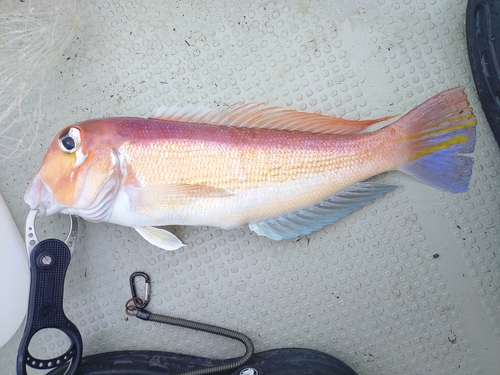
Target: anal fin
[[308, 220]]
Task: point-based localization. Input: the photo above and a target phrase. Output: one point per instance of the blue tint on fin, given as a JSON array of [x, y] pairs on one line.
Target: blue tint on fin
[[446, 169], [308, 220]]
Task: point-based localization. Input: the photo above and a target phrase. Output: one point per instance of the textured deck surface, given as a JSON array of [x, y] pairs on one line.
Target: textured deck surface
[[407, 285]]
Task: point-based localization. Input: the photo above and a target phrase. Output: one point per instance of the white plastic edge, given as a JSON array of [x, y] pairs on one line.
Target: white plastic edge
[[14, 276]]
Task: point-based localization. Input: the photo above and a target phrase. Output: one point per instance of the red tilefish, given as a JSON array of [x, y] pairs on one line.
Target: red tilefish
[[282, 172]]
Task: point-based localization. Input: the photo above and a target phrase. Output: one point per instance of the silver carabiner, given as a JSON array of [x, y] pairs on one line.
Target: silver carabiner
[[140, 303]]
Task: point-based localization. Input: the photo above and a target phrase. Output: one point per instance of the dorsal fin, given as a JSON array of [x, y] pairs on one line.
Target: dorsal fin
[[255, 115]]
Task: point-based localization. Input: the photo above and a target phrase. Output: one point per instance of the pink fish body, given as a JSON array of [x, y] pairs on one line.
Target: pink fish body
[[283, 172]]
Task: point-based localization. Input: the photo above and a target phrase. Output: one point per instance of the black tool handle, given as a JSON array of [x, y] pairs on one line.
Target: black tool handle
[[49, 261]]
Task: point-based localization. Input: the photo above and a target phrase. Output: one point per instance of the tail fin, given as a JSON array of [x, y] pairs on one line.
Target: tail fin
[[438, 132]]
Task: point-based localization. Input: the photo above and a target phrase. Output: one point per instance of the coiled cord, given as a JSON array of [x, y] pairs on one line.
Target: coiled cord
[[245, 340]]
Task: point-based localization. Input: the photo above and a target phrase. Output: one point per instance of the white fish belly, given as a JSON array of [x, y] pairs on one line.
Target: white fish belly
[[231, 211]]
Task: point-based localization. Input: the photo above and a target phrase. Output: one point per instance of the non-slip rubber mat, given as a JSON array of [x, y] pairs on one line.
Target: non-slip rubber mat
[[409, 284]]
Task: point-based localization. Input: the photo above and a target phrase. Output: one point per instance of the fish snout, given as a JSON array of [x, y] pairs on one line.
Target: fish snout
[[39, 197]]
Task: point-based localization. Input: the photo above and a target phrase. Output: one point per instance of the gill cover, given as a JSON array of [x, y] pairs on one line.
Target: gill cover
[[102, 175]]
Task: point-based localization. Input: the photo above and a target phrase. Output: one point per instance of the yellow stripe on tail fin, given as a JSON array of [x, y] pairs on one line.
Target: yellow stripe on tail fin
[[437, 134]]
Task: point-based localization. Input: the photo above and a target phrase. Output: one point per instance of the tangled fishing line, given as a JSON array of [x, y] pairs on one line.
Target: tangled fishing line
[[33, 35]]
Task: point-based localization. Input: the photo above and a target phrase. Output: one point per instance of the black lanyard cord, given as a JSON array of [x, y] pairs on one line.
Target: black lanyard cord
[[220, 331]]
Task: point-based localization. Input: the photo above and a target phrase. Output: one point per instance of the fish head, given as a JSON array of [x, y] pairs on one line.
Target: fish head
[[80, 173]]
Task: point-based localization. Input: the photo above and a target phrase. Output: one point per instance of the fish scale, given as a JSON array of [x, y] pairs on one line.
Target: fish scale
[[285, 156], [217, 164]]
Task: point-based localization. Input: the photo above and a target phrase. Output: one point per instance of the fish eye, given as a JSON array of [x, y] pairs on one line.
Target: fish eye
[[70, 141]]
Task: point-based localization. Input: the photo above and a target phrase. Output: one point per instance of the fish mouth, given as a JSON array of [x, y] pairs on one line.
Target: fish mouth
[[39, 197]]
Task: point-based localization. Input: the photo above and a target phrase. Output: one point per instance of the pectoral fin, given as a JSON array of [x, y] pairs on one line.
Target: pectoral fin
[[303, 222], [160, 238], [159, 195], [173, 192]]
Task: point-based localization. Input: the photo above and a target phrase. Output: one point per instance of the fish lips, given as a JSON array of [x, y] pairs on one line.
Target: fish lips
[[39, 197]]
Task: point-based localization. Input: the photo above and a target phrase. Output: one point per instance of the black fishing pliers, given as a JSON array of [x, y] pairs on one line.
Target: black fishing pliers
[[49, 260]]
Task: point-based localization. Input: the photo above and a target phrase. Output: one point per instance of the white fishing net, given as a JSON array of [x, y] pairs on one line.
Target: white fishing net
[[33, 35]]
